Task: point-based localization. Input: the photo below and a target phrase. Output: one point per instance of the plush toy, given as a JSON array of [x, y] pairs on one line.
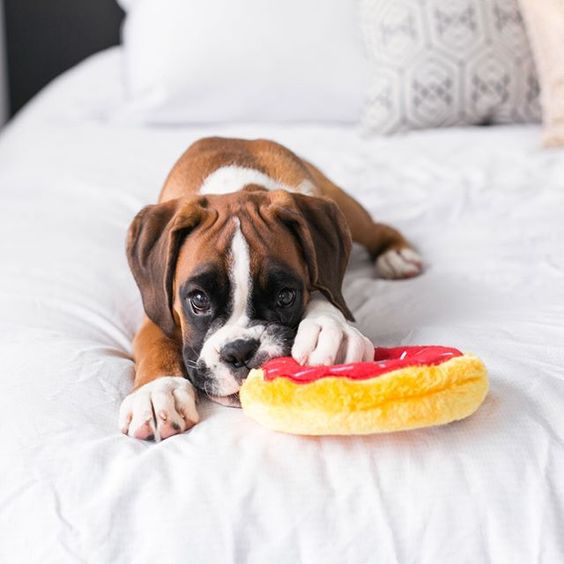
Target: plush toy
[[403, 388]]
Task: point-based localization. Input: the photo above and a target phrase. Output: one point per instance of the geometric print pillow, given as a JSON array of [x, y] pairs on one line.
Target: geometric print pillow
[[436, 63]]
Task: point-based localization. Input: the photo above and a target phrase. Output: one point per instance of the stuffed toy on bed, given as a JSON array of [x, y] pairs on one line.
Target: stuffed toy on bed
[[402, 388]]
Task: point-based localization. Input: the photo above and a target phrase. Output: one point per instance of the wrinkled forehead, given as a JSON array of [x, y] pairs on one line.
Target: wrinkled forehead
[[205, 250], [270, 248]]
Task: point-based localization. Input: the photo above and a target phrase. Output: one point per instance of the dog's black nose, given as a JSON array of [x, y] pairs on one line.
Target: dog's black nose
[[239, 352]]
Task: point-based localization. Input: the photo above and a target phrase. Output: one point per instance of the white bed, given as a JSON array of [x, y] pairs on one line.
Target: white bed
[[485, 207]]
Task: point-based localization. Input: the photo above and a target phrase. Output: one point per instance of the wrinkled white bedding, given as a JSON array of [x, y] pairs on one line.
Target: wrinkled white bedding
[[486, 209]]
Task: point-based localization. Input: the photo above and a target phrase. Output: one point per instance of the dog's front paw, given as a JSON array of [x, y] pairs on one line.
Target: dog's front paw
[[162, 408], [329, 339], [399, 263]]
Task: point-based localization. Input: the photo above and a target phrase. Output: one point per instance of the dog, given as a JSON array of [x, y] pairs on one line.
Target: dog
[[243, 260]]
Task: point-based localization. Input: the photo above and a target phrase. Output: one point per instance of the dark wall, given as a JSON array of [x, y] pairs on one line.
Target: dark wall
[[46, 37]]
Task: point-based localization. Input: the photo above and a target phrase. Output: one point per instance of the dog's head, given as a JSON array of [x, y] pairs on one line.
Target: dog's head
[[229, 276]]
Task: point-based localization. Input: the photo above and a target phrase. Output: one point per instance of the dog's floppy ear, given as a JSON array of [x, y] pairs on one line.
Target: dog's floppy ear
[[321, 229], [153, 243]]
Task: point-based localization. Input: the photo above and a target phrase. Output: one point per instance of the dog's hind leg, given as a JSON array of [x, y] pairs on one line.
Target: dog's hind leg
[[393, 255]]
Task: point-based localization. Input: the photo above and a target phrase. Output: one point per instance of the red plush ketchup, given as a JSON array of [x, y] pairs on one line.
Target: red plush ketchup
[[385, 360]]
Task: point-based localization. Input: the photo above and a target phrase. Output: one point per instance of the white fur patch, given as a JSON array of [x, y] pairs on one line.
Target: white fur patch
[[306, 188], [232, 178], [240, 276], [228, 179]]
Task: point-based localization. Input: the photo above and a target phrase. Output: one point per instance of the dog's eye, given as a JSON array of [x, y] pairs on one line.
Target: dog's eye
[[286, 297], [199, 301]]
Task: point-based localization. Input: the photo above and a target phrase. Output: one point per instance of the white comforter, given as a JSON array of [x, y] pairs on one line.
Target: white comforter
[[485, 207]]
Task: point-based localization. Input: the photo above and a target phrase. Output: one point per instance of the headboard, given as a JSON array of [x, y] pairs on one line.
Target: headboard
[[45, 38]]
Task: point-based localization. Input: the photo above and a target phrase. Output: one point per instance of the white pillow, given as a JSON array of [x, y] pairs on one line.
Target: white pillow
[[243, 60]]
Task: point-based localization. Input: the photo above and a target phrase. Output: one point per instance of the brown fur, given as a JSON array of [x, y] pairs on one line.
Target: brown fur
[[167, 241]]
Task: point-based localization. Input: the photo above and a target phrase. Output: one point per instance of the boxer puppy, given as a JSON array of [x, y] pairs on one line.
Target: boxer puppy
[[243, 260]]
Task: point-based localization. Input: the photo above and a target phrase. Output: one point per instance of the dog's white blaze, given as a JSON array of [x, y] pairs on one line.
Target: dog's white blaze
[[236, 327], [240, 277]]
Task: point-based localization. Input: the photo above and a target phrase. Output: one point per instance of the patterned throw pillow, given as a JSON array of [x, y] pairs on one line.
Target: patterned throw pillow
[[440, 63]]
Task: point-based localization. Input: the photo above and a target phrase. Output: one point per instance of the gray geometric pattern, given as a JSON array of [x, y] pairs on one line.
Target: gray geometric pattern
[[438, 63]]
